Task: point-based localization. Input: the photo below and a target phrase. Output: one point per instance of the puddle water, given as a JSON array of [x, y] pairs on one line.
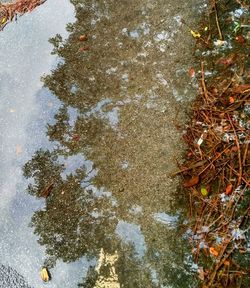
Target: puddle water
[[98, 135]]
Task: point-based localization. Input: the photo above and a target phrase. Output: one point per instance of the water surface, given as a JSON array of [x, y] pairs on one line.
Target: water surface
[[100, 132]]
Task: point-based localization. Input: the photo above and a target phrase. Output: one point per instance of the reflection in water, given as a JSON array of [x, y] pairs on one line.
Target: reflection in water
[[115, 146]]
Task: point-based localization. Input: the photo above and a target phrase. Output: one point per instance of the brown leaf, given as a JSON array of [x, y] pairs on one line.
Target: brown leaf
[[84, 49], [191, 182], [83, 38], [240, 39], [76, 137], [241, 88], [46, 192], [228, 60]]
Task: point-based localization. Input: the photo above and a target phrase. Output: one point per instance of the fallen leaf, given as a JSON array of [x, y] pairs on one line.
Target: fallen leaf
[[76, 137], [4, 19], [46, 192], [45, 275], [234, 149], [219, 43], [229, 189], [231, 99], [201, 273], [213, 251], [195, 34], [228, 60], [83, 38], [191, 182], [191, 72], [84, 49], [204, 191], [240, 39], [241, 88]]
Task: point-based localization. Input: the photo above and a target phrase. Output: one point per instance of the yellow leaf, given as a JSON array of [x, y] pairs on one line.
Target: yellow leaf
[[3, 20], [44, 273], [204, 191], [195, 34]]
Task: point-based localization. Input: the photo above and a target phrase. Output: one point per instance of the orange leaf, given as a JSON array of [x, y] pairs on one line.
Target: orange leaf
[[83, 38], [192, 182], [213, 251], [231, 99], [229, 189]]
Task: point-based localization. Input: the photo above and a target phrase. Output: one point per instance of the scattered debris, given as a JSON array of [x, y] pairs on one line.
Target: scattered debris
[[10, 11], [217, 167]]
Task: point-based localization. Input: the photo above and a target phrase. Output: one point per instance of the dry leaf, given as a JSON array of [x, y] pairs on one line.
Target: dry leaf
[[228, 60], [191, 182], [240, 39], [45, 275], [76, 137], [195, 34], [191, 72], [241, 88], [220, 43], [83, 38], [213, 251], [84, 49], [46, 192], [201, 273], [229, 189]]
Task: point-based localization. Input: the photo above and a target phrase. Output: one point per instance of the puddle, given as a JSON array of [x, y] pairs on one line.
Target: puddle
[[100, 128]]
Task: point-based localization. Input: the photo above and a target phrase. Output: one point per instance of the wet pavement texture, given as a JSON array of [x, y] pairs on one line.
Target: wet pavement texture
[[88, 139]]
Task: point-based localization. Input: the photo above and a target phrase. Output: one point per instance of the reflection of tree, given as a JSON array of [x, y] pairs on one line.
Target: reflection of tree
[[79, 222], [66, 225]]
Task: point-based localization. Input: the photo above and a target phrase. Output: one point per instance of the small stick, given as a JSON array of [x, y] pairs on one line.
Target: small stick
[[217, 19], [197, 164], [203, 81], [239, 151], [218, 156]]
